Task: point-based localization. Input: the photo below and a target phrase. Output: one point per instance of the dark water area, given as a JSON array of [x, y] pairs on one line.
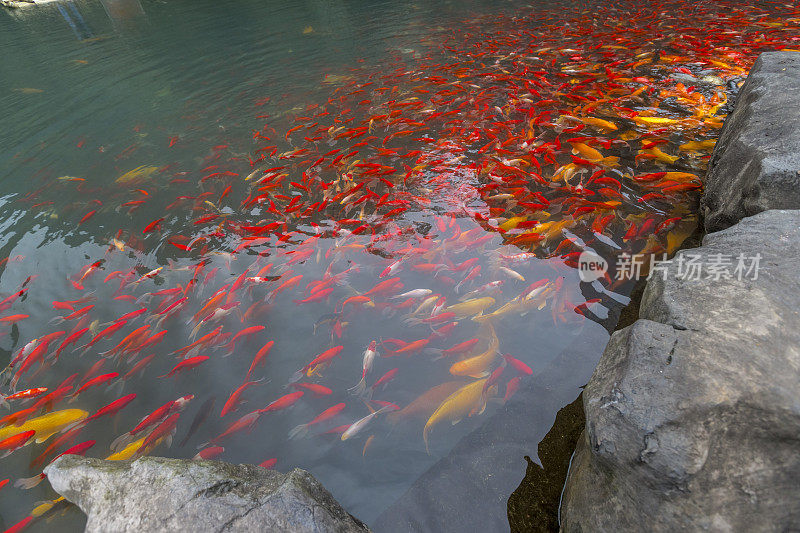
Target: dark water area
[[217, 201]]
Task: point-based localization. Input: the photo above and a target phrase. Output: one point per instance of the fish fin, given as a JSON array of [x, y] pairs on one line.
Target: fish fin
[[168, 440], [454, 422]]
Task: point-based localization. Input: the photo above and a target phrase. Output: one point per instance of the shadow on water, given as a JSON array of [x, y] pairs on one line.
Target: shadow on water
[[534, 505]]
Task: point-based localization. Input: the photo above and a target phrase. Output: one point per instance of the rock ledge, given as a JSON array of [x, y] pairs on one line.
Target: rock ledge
[[159, 494]]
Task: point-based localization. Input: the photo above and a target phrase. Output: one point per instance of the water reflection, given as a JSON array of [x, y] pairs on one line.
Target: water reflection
[[75, 20], [124, 12]]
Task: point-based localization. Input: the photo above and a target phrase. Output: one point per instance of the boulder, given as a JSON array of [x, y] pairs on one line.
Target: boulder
[[692, 414], [159, 494], [756, 161]]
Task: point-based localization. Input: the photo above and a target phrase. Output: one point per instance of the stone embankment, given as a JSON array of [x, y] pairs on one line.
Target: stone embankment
[[692, 415], [13, 4]]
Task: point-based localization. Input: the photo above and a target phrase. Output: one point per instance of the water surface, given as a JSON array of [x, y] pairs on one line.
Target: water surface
[[299, 168]]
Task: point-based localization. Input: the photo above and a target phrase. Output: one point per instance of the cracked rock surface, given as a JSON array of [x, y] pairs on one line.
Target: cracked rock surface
[[693, 413], [756, 160], [158, 494]]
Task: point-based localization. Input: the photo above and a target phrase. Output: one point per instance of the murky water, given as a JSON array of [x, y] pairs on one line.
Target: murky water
[[276, 187]]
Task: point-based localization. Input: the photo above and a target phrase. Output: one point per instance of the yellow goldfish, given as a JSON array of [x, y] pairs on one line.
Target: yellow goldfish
[[42, 508], [127, 452], [680, 176], [657, 121], [698, 145], [46, 425], [137, 174], [478, 366], [470, 307], [590, 154], [456, 406], [512, 223], [599, 123], [656, 153]]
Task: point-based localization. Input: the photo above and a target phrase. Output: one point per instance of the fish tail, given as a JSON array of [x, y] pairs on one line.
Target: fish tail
[[57, 320], [195, 331], [121, 442], [29, 482], [425, 433], [299, 431], [437, 352], [355, 292], [360, 387]]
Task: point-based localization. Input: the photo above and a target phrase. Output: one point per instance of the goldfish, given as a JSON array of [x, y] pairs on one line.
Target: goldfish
[[426, 403], [45, 426], [234, 398], [470, 307], [360, 424], [9, 444], [455, 407], [136, 175], [330, 412], [368, 360], [477, 366]]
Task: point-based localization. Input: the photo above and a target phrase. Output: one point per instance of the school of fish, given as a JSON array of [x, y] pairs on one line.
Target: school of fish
[[446, 194]]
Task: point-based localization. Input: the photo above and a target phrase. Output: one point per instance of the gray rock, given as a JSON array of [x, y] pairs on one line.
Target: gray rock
[[756, 162], [159, 494], [693, 413]]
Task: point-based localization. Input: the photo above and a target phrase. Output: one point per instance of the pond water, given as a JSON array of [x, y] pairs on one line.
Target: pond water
[[226, 215]]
